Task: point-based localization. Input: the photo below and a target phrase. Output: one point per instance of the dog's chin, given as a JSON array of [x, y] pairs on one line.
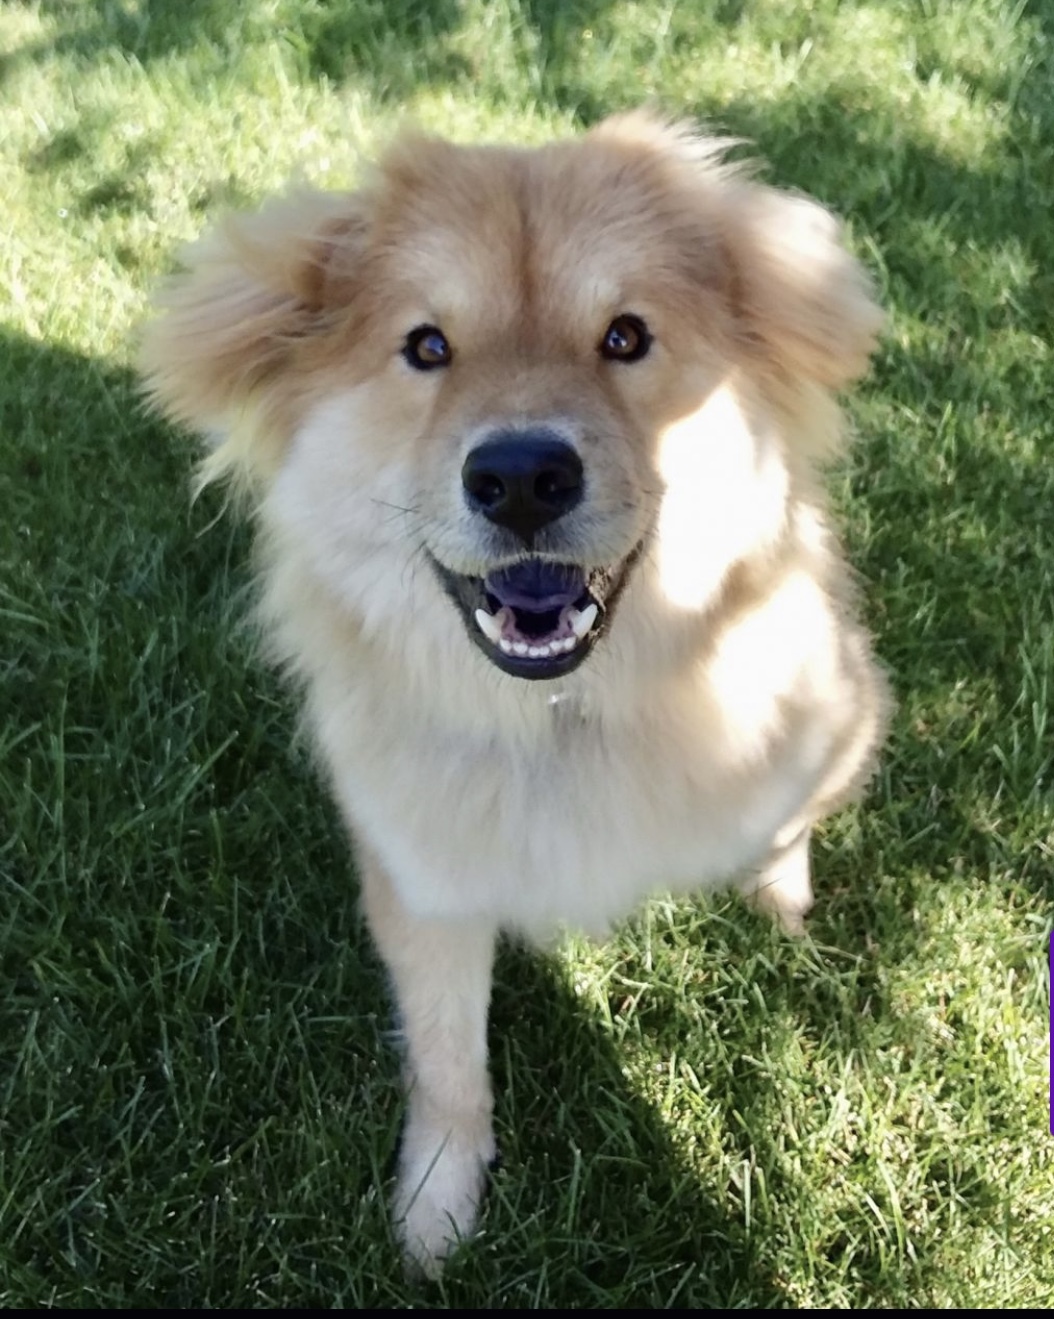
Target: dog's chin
[[534, 618]]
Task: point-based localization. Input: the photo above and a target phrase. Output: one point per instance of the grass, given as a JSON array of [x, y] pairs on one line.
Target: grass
[[198, 1096]]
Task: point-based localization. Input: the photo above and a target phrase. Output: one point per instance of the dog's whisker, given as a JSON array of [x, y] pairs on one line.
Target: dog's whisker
[[417, 556], [398, 508]]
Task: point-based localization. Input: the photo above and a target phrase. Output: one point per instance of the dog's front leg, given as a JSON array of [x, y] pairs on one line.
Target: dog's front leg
[[441, 976]]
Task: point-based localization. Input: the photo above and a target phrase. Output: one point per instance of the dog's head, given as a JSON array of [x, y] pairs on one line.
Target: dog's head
[[521, 374]]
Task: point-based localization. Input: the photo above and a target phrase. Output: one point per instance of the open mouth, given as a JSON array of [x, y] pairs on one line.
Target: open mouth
[[536, 619]]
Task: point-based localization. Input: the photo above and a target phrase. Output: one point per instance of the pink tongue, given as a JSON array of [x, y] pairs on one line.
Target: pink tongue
[[536, 585]]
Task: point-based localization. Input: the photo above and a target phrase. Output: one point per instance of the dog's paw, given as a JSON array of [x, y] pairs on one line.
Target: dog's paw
[[789, 908], [783, 888], [441, 1182]]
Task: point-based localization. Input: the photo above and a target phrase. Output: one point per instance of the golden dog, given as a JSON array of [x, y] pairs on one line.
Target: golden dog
[[532, 438]]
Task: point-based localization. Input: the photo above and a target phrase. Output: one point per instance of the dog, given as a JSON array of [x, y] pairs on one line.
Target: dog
[[533, 441]]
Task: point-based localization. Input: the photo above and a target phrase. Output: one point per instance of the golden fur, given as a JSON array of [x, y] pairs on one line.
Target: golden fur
[[730, 699]]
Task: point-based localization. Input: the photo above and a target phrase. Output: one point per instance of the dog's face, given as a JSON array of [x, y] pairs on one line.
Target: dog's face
[[507, 379]]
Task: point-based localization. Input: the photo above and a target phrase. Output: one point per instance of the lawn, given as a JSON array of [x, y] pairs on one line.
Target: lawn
[[199, 1097]]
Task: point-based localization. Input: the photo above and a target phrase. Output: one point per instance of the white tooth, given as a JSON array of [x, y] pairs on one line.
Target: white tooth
[[507, 646], [568, 643], [489, 626], [536, 652], [520, 647], [581, 623]]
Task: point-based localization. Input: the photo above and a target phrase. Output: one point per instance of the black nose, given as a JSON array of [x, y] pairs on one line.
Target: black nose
[[523, 480]]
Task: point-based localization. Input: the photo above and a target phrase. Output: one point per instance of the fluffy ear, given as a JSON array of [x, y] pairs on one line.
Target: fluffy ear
[[249, 293], [798, 292]]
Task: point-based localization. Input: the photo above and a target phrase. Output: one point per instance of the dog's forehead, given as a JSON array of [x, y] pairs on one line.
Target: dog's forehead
[[564, 233]]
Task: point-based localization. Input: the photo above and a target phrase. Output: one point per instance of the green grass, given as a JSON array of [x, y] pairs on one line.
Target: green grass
[[198, 1093]]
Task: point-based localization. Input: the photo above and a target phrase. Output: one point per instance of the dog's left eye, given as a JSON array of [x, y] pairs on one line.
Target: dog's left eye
[[626, 339], [427, 348]]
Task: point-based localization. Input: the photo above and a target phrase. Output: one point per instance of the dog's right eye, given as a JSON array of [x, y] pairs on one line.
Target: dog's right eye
[[427, 348], [627, 339]]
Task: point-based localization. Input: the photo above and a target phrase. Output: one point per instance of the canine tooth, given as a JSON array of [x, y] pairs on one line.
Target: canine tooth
[[507, 646], [584, 621], [489, 626], [520, 647]]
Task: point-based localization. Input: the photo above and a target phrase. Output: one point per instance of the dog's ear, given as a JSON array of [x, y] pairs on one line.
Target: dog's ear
[[797, 294], [796, 290], [249, 294]]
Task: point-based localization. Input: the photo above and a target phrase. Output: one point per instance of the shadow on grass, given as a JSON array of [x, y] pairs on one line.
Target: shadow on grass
[[593, 1197], [396, 44], [150, 30]]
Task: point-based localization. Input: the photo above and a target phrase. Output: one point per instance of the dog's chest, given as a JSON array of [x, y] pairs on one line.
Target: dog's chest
[[574, 827]]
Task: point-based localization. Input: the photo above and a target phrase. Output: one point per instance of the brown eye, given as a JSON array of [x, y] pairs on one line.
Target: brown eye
[[427, 348], [625, 340]]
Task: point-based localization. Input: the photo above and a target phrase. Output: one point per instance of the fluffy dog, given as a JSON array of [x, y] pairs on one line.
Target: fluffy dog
[[532, 440]]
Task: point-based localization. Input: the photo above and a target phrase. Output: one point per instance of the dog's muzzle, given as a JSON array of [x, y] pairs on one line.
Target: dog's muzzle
[[533, 617]]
